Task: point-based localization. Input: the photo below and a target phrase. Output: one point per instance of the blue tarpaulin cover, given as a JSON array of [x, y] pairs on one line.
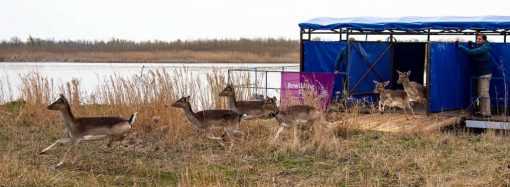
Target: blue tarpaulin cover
[[449, 78], [452, 84], [321, 57], [450, 70], [368, 62], [409, 23]]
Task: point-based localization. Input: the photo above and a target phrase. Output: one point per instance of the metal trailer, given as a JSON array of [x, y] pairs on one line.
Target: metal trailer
[[434, 62]]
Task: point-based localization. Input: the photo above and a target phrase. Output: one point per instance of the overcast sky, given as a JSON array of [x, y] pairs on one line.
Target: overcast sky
[[206, 19]]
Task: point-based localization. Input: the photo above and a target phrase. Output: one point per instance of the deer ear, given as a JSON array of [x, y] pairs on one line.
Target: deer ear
[[375, 82], [63, 98], [274, 98], [409, 73], [399, 72], [386, 83]]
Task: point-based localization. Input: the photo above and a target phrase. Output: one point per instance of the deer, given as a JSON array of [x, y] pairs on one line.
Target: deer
[[292, 115], [207, 120], [392, 98], [88, 128], [415, 91], [252, 109]]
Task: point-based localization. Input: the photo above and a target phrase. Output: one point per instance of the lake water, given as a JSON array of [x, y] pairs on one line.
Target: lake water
[[91, 75]]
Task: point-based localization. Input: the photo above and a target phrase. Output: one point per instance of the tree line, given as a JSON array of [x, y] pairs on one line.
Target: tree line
[[261, 46]]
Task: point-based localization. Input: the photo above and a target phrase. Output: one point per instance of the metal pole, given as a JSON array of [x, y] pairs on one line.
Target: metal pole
[[391, 35], [228, 76], [301, 55], [266, 85], [256, 85], [347, 35], [504, 39], [340, 35], [428, 35]]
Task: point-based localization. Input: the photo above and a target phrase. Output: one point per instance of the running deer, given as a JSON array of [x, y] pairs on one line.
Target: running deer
[[252, 109], [88, 128], [207, 120], [415, 91], [292, 115], [392, 98]]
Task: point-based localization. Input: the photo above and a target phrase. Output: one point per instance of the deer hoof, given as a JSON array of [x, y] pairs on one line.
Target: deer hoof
[[57, 166]]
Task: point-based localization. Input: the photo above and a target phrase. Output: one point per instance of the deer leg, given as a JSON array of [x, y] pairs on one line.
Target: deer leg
[[59, 141], [113, 139], [236, 129], [412, 111], [230, 136], [280, 129], [66, 155], [405, 112], [211, 136]]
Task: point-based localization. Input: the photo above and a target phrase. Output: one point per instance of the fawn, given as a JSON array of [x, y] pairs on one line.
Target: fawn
[[415, 91], [392, 98]]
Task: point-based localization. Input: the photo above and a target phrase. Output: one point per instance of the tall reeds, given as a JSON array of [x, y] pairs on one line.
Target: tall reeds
[[164, 149]]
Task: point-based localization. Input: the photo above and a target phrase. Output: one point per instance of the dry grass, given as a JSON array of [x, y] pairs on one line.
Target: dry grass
[[164, 149]]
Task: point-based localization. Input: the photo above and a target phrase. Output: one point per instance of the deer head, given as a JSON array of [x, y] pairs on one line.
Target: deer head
[[403, 76], [379, 86], [182, 102], [59, 104], [228, 91]]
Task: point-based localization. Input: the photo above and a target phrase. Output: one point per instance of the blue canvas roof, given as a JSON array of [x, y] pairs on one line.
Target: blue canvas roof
[[409, 23]]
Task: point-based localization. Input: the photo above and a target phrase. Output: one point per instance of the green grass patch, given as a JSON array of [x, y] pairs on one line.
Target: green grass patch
[[13, 106]]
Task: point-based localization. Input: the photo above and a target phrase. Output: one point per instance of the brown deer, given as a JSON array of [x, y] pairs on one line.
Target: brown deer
[[392, 98], [88, 128], [292, 115], [252, 109], [207, 120], [415, 91]]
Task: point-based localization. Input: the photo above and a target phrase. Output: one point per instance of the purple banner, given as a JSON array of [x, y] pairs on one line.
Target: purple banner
[[313, 89]]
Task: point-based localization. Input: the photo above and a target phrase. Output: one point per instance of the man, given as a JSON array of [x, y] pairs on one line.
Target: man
[[480, 58], [340, 62], [341, 66]]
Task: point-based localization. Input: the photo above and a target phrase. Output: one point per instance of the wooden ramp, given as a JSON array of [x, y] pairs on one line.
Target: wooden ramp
[[396, 122]]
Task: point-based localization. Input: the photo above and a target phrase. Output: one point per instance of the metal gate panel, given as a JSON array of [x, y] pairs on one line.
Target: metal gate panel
[[321, 57], [449, 78], [500, 83], [368, 61]]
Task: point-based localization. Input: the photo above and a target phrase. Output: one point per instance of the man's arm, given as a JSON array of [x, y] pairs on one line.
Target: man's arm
[[479, 50], [339, 59]]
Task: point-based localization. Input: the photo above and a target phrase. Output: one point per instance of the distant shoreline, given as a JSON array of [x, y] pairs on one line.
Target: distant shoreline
[[148, 62]]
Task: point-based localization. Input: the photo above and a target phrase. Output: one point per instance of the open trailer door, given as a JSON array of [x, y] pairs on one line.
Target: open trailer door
[[449, 77]]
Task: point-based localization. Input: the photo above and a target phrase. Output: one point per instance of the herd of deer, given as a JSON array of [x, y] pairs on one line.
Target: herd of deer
[[413, 92], [115, 128]]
